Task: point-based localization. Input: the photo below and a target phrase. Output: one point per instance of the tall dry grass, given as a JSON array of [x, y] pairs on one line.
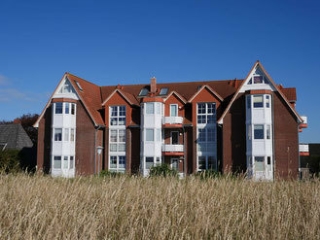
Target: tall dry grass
[[37, 207]]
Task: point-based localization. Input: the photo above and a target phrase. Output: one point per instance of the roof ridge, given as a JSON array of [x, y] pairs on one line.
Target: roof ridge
[[172, 83]]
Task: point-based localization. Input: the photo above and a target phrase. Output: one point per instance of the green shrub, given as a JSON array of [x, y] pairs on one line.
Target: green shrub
[[163, 170], [9, 161]]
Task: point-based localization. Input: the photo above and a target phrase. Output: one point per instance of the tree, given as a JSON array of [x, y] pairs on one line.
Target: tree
[[27, 121]]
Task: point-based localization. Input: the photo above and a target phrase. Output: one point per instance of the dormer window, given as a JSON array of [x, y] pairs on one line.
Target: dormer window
[[143, 92]]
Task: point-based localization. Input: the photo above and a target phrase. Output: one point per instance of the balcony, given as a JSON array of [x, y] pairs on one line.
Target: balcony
[[173, 150], [304, 150], [172, 121]]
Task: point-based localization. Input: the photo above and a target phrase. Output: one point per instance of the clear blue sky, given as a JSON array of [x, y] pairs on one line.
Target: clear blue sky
[[126, 41]]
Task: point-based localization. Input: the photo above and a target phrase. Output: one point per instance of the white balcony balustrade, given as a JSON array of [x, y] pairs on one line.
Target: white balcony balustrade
[[172, 120], [172, 148], [303, 148]]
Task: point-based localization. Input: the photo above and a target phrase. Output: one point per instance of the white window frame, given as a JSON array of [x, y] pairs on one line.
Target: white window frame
[[57, 134], [174, 110], [150, 108], [149, 135], [117, 166], [117, 115]]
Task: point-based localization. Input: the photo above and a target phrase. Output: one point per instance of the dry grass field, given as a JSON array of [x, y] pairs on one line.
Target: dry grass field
[[41, 207]]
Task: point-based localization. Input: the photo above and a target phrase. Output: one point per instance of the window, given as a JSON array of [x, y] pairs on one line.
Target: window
[[117, 140], [65, 162], [257, 101], [202, 163], [211, 163], [121, 147], [267, 101], [202, 135], [113, 162], [71, 162], [113, 147], [211, 135], [206, 113], [150, 135], [163, 91], [66, 88], [66, 134], [143, 92], [113, 135], [257, 79], [206, 134], [122, 162], [175, 137], [58, 107], [73, 107], [72, 135], [149, 162], [173, 110], [117, 163], [79, 86], [57, 162], [259, 164], [117, 115], [58, 134], [268, 131], [149, 108], [258, 131], [158, 108], [122, 135], [175, 164], [66, 108]]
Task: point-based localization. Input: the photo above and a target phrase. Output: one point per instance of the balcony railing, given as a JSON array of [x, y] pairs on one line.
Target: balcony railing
[[172, 148], [172, 120]]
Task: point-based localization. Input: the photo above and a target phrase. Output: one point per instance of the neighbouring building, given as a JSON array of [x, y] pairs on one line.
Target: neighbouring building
[[14, 137], [240, 125]]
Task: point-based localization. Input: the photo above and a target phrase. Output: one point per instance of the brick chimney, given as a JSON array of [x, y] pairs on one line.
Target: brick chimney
[[153, 85]]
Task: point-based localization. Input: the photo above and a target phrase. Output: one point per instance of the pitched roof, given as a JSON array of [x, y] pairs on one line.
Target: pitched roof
[[90, 95], [93, 96], [289, 91], [13, 136]]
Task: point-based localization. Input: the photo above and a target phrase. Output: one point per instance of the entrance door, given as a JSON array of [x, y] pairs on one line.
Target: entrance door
[[174, 137], [175, 164]]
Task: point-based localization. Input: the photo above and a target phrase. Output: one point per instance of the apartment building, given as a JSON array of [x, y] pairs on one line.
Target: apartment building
[[245, 125]]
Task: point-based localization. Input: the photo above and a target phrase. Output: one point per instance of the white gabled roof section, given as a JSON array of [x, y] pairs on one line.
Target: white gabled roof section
[[210, 90], [258, 70], [65, 90], [64, 82]]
